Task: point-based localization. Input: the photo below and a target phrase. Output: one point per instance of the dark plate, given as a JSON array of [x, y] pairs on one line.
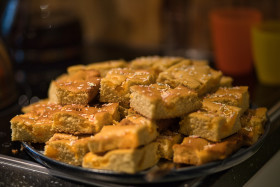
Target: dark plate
[[188, 172]]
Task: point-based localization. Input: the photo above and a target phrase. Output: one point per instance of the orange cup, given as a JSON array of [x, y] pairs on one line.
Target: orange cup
[[231, 37]]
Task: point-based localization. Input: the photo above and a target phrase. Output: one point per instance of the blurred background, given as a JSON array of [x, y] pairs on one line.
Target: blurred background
[[43, 37]]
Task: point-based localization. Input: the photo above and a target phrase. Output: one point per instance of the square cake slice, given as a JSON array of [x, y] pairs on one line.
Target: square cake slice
[[131, 132], [158, 64], [115, 87], [231, 113], [102, 67], [67, 148], [234, 96], [77, 119], [214, 122], [36, 125], [198, 151], [202, 124], [194, 75], [124, 160], [252, 123], [80, 88], [159, 101]]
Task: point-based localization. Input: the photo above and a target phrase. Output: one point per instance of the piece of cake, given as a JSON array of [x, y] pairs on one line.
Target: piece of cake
[[166, 141], [104, 67], [34, 126], [203, 124], [159, 101], [198, 151], [231, 113], [124, 160], [80, 87], [156, 63], [235, 96], [101, 67], [196, 76], [214, 122], [67, 148], [226, 81], [111, 108], [77, 119], [252, 123], [131, 132], [115, 87], [73, 69]]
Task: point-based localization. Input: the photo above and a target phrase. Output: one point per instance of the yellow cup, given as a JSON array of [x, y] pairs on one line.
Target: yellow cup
[[266, 51]]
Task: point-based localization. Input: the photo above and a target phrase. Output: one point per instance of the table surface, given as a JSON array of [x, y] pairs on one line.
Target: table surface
[[18, 169]]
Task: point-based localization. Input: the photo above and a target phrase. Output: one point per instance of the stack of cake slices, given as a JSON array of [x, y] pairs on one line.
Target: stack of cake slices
[[127, 116]]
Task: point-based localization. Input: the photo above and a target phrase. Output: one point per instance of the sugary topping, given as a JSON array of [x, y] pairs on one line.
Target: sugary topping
[[41, 114], [79, 85]]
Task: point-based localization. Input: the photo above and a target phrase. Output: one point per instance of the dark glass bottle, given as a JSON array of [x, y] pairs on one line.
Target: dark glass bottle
[[43, 38]]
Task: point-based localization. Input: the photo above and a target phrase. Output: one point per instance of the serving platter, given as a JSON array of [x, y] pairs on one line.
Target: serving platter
[[90, 176]]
